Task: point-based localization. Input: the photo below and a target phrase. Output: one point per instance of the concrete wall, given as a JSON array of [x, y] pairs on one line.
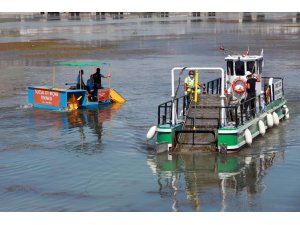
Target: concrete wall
[[201, 16]]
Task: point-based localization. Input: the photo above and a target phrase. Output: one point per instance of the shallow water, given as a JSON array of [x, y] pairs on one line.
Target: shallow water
[[99, 160]]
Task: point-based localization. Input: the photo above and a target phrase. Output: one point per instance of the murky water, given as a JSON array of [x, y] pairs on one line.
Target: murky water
[[98, 160]]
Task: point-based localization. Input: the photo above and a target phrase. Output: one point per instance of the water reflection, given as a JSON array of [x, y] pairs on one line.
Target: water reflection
[[198, 174], [244, 174], [67, 125]]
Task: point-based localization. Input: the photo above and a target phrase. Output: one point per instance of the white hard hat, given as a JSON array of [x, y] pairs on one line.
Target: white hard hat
[[248, 73]]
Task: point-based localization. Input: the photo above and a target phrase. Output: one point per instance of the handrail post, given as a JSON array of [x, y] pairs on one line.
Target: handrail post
[[236, 116], [165, 109], [282, 87], [241, 109], [184, 99], [171, 114], [207, 88], [177, 106], [259, 103], [158, 115], [273, 92]]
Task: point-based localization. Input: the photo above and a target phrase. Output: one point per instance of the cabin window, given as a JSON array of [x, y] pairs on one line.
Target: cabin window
[[239, 68], [251, 66], [229, 67]]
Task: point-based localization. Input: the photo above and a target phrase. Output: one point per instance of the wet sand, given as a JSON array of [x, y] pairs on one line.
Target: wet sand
[[57, 48]]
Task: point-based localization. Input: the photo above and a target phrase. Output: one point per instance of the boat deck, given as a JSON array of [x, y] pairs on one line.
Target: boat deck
[[201, 124]]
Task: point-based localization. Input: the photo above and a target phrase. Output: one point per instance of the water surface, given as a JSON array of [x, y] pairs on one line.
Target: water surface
[[99, 160]]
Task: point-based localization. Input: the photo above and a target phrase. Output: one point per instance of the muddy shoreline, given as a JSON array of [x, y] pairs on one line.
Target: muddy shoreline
[[45, 48]]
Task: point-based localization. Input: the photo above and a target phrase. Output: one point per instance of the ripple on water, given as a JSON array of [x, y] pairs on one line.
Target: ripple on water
[[21, 188]]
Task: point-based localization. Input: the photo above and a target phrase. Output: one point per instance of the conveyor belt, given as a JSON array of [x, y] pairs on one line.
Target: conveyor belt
[[201, 124]]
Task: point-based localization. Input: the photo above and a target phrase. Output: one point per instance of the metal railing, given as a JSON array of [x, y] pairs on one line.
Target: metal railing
[[265, 84], [165, 110], [237, 114], [214, 86], [241, 113], [245, 111]]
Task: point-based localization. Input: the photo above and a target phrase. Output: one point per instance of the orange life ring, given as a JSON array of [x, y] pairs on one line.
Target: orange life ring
[[239, 85]]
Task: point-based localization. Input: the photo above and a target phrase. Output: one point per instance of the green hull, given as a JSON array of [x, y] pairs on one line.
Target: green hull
[[166, 135], [234, 138]]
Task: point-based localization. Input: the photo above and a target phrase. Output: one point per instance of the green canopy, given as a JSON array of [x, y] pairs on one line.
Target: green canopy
[[81, 63]]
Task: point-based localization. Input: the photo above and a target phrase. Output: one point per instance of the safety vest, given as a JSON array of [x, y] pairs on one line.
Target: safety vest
[[189, 82]]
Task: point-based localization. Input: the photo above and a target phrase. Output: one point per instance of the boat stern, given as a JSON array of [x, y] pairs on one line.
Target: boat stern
[[47, 97]]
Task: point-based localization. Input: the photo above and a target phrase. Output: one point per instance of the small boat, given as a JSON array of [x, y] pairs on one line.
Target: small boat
[[219, 119], [72, 98]]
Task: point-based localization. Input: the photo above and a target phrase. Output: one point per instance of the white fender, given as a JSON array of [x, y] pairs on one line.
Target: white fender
[[286, 112], [151, 132], [248, 137], [287, 116], [270, 121], [262, 128], [275, 118], [248, 160]]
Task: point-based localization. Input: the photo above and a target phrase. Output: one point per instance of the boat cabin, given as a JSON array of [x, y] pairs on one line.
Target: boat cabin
[[237, 65], [236, 68]]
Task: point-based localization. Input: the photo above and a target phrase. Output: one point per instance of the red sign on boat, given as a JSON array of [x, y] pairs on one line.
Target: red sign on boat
[[103, 94], [48, 97]]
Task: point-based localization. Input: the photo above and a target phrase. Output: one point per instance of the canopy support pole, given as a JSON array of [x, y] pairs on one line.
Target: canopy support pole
[[53, 77]]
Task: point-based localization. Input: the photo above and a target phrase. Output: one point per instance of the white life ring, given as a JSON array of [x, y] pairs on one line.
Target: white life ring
[[248, 137], [275, 118], [151, 132], [261, 127], [270, 121]]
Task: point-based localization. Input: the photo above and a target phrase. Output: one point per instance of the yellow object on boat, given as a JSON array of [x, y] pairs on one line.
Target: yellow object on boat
[[116, 97], [72, 102], [196, 87]]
